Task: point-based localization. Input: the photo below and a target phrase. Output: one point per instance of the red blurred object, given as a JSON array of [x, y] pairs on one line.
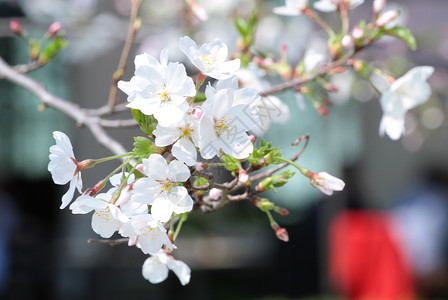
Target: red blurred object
[[366, 262]]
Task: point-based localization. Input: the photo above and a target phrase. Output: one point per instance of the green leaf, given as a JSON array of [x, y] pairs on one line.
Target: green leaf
[[241, 25], [200, 181], [54, 46], [404, 34]]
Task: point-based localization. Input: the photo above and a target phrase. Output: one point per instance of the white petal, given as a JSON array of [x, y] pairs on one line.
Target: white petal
[[154, 271], [180, 201], [181, 269], [155, 166], [68, 196], [161, 209], [325, 6], [165, 135], [103, 223], [185, 151], [178, 171]]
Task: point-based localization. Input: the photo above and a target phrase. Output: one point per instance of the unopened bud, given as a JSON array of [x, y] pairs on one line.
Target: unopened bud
[[282, 211], [283, 48], [139, 167], [54, 29], [281, 233], [198, 11], [386, 18], [378, 6], [323, 111], [347, 41], [214, 193], [15, 27], [197, 113], [243, 177], [201, 166], [252, 138], [357, 33]]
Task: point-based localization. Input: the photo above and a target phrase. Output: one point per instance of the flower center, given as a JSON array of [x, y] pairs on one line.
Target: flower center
[[207, 62], [163, 94], [223, 125], [103, 214], [148, 231], [166, 185], [185, 131]]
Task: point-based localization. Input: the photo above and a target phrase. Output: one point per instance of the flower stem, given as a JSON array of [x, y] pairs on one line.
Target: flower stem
[[182, 219], [319, 21], [112, 157], [302, 170]]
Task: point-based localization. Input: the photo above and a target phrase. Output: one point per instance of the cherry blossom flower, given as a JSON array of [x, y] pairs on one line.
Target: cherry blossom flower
[[224, 125], [326, 183], [106, 219], [155, 268], [161, 190], [292, 8], [184, 135], [159, 88], [331, 5], [128, 207], [404, 94], [210, 59], [147, 232], [63, 166]]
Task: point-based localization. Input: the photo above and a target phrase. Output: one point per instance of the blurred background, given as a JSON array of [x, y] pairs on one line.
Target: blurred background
[[384, 237]]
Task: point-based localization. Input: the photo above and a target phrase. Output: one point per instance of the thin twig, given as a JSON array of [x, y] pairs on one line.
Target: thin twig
[[109, 242], [132, 31], [71, 110]]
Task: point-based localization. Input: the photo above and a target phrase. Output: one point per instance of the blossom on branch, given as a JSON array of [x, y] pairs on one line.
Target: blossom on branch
[[147, 232], [332, 5], [326, 183], [291, 8], [155, 268], [63, 166], [404, 94], [106, 219], [161, 188], [159, 88], [210, 59]]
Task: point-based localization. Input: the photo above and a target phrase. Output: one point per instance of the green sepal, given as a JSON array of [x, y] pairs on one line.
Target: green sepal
[[265, 155], [231, 163], [143, 147], [402, 33], [276, 181], [147, 123]]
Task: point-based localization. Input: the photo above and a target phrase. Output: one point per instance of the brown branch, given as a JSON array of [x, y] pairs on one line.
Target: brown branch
[[105, 110], [117, 123], [109, 242], [71, 110], [118, 74]]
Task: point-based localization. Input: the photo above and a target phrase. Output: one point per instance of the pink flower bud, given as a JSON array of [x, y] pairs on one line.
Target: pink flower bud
[[201, 166], [283, 211], [198, 11], [197, 113], [54, 29], [139, 168], [378, 6], [357, 33], [326, 183], [281, 233], [243, 177], [15, 27], [283, 47], [253, 138], [386, 18], [347, 41], [215, 193]]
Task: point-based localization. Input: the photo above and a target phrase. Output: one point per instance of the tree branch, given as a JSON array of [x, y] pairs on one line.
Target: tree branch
[[72, 110]]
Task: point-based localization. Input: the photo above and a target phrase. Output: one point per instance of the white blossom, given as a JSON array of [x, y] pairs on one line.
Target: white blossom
[[326, 183], [331, 5], [128, 207], [183, 135], [159, 88], [161, 190], [210, 59], [404, 94], [147, 232], [63, 166], [155, 268], [223, 126], [291, 8], [106, 219]]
